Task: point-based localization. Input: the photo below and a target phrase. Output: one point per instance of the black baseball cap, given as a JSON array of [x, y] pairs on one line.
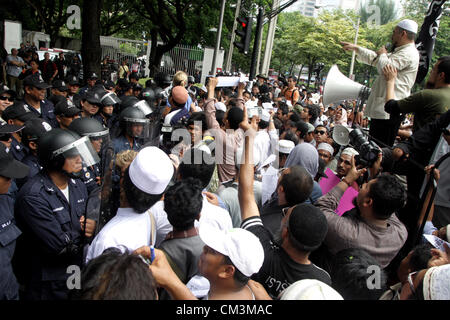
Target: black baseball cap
[[60, 85], [66, 108], [73, 80], [92, 75], [9, 128], [93, 97], [35, 80], [10, 167], [18, 111], [5, 89], [109, 85], [34, 129]]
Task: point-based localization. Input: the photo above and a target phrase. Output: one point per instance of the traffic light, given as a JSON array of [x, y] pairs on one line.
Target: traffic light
[[244, 30]]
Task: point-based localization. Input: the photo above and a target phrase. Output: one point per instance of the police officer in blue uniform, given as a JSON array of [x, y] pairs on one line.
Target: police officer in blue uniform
[[16, 115], [34, 98], [9, 232], [134, 129], [99, 136], [34, 129], [106, 115], [50, 210], [91, 80]]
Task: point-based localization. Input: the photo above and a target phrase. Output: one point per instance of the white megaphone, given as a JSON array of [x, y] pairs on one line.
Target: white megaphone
[[338, 87], [341, 134]]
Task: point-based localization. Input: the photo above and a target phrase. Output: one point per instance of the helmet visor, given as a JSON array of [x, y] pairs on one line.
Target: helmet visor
[[138, 128], [144, 107], [81, 147], [98, 139], [110, 99]]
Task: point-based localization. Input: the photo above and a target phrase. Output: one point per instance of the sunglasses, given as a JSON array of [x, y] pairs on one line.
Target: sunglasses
[[7, 98], [320, 132]]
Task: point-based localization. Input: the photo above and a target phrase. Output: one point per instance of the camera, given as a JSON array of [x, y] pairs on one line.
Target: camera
[[368, 150]]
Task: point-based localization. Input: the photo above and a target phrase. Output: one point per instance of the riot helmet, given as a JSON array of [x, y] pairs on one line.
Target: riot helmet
[[89, 127], [134, 123], [132, 101], [148, 94], [191, 79], [58, 145], [163, 80]]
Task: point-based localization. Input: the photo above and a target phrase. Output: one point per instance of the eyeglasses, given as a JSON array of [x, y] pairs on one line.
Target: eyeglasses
[[320, 132], [7, 98], [411, 281]]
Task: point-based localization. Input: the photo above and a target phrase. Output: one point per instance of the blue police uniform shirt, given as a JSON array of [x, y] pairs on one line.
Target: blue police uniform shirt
[[18, 150], [9, 232], [33, 163], [52, 235], [106, 122], [47, 112], [121, 144]]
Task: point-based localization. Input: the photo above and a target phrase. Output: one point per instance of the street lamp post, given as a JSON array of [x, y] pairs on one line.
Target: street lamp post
[[219, 35], [233, 35], [352, 64]]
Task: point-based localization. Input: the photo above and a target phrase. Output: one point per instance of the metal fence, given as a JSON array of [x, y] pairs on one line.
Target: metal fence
[[186, 58]]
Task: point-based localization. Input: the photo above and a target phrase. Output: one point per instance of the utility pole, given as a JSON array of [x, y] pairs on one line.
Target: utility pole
[[219, 36], [259, 26], [233, 35], [269, 41]]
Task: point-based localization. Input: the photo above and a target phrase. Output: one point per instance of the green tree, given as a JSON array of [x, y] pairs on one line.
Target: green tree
[[386, 8]]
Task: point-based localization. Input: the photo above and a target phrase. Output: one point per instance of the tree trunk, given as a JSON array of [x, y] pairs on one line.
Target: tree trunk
[[90, 42], [300, 73]]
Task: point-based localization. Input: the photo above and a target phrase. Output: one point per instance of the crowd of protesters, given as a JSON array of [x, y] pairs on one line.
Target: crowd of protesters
[[184, 190]]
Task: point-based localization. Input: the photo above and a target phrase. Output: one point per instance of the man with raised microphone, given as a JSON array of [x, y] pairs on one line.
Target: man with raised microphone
[[405, 58]]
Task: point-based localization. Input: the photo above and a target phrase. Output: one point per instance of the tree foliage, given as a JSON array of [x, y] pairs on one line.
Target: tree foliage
[[385, 8]]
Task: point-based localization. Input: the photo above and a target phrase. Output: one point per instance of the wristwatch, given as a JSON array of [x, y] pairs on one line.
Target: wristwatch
[[344, 180]]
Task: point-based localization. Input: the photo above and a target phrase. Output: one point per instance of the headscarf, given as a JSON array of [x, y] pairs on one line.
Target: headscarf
[[305, 155], [343, 119], [436, 283]]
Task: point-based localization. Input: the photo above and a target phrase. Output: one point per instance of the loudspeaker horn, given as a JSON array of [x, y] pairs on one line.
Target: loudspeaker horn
[[341, 134], [338, 87]]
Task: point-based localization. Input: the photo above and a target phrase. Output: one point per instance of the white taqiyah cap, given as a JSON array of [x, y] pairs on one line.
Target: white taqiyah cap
[[220, 106], [151, 170], [242, 247], [408, 25], [350, 152], [326, 147], [265, 116], [309, 289], [285, 146]]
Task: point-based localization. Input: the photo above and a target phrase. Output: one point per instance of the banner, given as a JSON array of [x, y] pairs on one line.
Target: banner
[[427, 37]]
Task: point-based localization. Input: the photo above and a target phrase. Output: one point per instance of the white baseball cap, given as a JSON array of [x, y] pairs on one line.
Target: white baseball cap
[[220, 106], [242, 247], [151, 170], [326, 146], [285, 146], [310, 289], [408, 25]]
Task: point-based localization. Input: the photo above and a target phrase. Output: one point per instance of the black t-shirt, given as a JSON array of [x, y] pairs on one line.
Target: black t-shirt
[[279, 270]]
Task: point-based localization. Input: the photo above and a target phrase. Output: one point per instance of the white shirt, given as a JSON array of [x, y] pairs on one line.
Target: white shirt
[[262, 145], [406, 60], [129, 229]]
